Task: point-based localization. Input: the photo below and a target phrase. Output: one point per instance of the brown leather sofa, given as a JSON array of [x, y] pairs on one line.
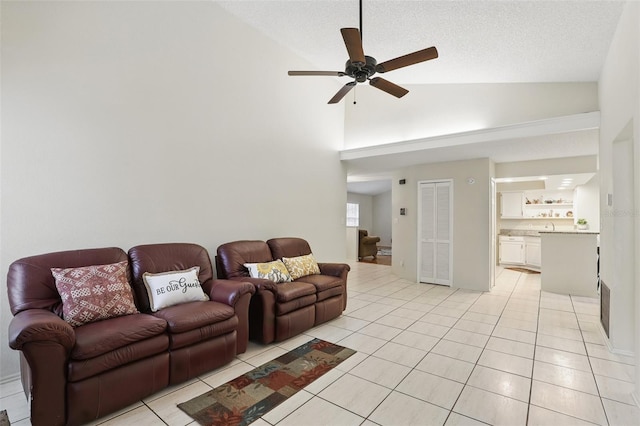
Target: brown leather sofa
[[368, 244], [279, 311], [77, 374]]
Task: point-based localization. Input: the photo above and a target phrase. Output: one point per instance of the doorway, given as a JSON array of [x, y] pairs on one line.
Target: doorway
[[435, 232]]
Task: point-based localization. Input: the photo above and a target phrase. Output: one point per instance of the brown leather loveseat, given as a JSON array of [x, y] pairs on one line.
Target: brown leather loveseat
[[281, 310], [75, 374]]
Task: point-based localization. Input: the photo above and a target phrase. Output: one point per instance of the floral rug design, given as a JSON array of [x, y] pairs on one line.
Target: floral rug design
[[248, 397]]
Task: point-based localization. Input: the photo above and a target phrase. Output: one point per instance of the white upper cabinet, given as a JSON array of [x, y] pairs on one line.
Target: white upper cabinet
[[511, 205]]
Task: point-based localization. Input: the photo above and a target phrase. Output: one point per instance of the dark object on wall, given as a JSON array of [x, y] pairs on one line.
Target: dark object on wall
[[402, 181], [605, 301], [403, 211]]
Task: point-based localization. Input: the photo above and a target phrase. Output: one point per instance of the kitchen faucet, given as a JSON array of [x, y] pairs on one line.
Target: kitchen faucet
[[552, 225]]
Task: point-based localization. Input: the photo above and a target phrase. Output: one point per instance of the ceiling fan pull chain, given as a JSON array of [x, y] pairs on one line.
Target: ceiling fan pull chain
[[354, 95]]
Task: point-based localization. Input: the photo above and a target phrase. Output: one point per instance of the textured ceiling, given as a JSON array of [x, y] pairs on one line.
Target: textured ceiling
[[478, 41]]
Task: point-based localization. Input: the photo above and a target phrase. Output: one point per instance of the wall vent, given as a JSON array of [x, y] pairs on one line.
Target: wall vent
[[605, 301]]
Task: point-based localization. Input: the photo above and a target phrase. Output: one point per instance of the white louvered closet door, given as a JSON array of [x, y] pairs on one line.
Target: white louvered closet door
[[435, 233]]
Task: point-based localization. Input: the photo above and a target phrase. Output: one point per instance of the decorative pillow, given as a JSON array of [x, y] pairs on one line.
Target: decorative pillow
[[173, 288], [301, 266], [94, 293], [274, 271]]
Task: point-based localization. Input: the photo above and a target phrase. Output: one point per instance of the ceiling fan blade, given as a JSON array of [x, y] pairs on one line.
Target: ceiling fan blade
[[406, 60], [328, 73], [342, 92], [353, 42], [389, 87]]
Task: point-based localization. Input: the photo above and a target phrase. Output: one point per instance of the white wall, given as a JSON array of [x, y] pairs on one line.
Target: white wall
[[587, 202], [439, 109], [382, 217], [137, 122], [366, 209], [471, 210], [619, 93]]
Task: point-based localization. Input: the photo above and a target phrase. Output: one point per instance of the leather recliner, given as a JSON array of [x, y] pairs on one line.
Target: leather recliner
[[368, 244], [202, 335], [73, 375], [279, 311]]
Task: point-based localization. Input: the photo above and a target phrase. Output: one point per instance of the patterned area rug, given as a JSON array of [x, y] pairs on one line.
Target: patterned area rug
[[4, 418], [246, 398]]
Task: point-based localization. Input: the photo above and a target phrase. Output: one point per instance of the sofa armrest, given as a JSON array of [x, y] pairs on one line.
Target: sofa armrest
[[39, 325], [340, 270], [238, 295], [45, 341], [229, 292], [335, 269], [369, 240]]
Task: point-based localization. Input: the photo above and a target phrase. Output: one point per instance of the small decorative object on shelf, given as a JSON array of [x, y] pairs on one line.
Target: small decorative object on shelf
[[582, 224]]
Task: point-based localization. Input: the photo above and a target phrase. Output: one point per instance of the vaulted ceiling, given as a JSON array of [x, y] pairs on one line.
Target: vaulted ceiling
[[479, 41]]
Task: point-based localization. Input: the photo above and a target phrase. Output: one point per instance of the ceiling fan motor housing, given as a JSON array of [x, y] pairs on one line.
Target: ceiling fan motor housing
[[361, 72]]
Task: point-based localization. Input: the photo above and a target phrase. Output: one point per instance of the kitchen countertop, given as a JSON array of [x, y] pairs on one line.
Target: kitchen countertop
[[569, 232], [519, 233], [536, 233]]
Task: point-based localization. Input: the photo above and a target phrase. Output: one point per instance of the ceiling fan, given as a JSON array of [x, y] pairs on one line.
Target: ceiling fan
[[362, 68]]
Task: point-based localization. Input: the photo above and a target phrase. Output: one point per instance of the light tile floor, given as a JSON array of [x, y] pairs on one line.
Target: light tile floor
[[433, 355]]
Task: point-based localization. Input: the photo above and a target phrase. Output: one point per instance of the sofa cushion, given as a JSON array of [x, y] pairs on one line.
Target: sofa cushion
[[286, 292], [173, 288], [94, 293], [322, 282], [100, 337], [301, 266], [283, 308], [274, 271], [191, 316], [81, 369]]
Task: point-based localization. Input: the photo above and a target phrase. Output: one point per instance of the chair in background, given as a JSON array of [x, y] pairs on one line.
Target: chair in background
[[367, 244]]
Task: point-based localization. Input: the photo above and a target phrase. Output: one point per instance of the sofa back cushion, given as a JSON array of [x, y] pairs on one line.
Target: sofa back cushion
[[232, 257], [30, 283], [288, 247], [167, 257]]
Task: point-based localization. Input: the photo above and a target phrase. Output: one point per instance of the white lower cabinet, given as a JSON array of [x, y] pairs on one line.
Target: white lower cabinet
[[533, 253], [523, 251], [512, 250]]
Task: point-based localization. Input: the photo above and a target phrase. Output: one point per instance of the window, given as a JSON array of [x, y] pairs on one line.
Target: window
[[353, 214]]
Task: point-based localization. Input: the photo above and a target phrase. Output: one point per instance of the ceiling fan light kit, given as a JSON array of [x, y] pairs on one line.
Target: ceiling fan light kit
[[362, 68]]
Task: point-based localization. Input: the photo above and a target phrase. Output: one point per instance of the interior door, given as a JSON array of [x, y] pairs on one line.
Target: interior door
[[435, 232]]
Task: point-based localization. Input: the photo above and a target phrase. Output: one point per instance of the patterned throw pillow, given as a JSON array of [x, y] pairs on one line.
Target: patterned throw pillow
[[94, 293], [301, 266], [173, 288], [274, 271]]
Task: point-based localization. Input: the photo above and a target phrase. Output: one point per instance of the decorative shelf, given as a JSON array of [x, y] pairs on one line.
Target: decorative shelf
[[547, 218], [535, 218], [549, 205]]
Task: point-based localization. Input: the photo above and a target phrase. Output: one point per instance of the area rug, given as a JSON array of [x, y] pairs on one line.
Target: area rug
[[248, 397], [523, 270], [4, 418]]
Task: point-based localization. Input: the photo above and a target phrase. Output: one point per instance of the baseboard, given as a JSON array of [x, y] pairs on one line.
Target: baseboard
[[9, 378], [613, 350]]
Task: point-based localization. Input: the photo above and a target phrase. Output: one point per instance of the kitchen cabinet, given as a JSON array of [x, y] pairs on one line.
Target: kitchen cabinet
[[512, 250], [521, 250], [533, 252], [511, 205]]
